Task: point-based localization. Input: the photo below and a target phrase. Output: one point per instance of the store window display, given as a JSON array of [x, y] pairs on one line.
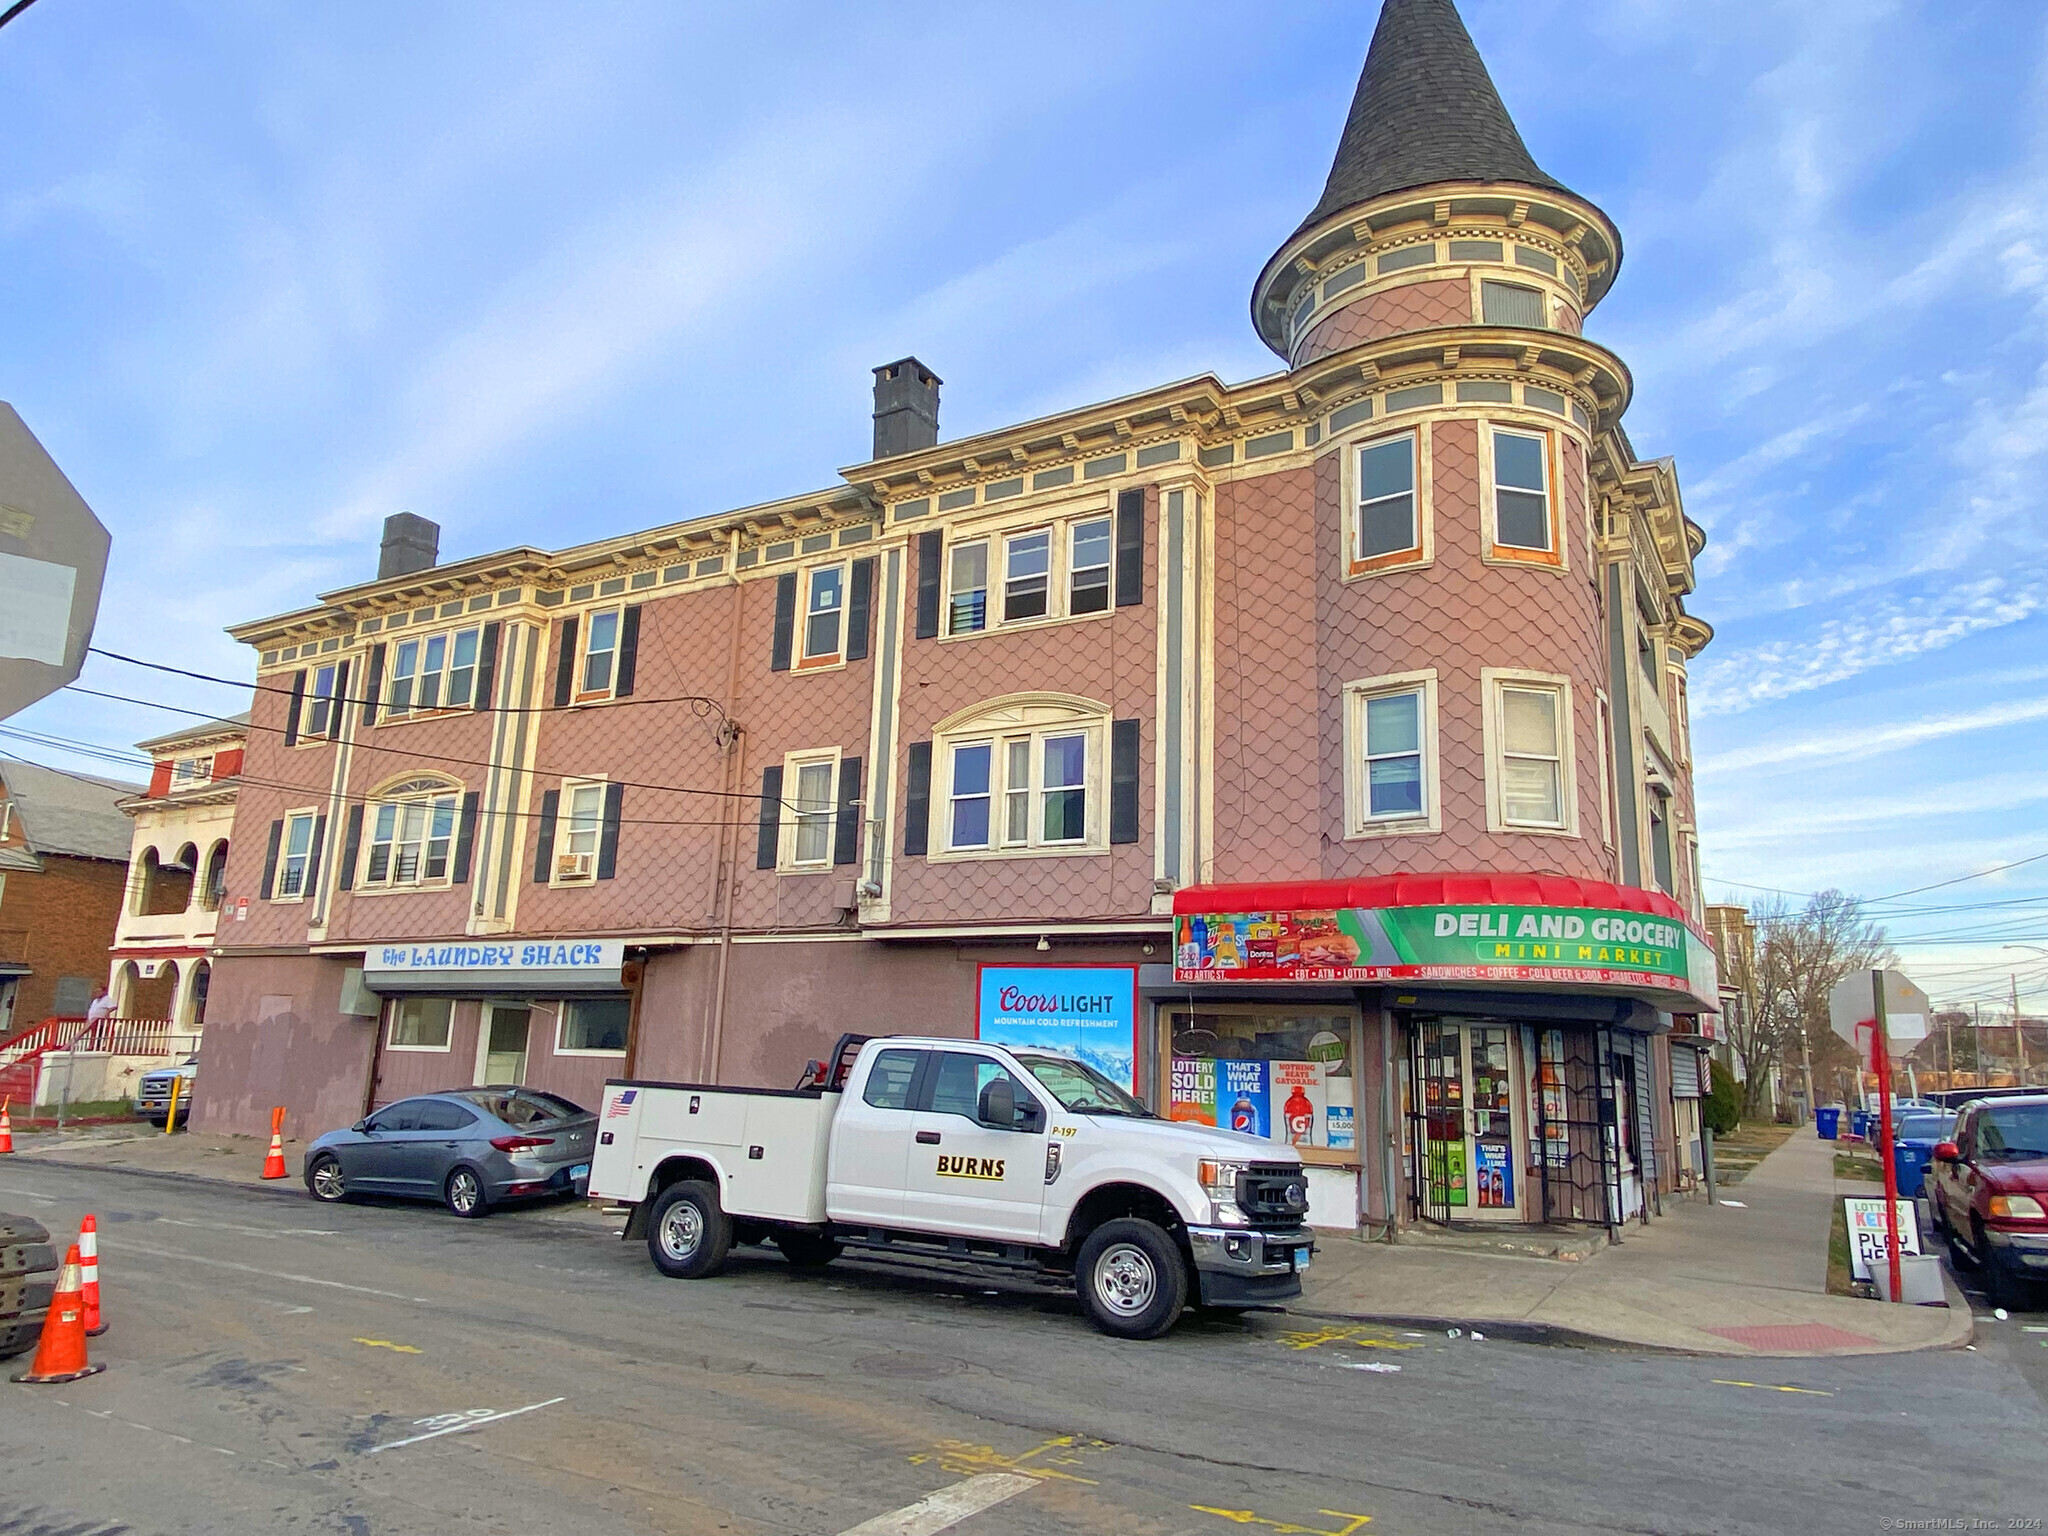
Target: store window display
[[1284, 1074]]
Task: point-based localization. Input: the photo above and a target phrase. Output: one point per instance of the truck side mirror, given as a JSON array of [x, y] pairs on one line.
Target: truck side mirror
[[999, 1104]]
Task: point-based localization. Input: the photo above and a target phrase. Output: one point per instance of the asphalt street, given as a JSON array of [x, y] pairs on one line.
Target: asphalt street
[[277, 1366]]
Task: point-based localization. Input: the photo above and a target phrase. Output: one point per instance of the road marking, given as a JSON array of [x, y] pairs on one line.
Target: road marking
[[969, 1459], [403, 1349], [946, 1508], [1361, 1338], [123, 1244], [1288, 1527], [1771, 1386], [479, 1422], [108, 1414], [217, 1226]]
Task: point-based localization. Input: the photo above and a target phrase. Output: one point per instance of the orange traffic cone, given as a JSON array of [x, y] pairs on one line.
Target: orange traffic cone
[[60, 1356], [6, 1127], [89, 1265], [273, 1165]]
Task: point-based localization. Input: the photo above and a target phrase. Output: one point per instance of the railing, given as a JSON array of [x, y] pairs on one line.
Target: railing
[[21, 1053]]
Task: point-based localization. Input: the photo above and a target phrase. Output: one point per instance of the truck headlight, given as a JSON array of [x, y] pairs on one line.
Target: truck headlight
[[2023, 1206], [1219, 1183]]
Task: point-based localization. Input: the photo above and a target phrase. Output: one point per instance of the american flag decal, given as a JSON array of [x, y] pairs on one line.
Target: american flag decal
[[622, 1104]]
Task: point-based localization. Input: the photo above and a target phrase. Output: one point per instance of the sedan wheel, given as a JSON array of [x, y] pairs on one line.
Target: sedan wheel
[[324, 1179], [465, 1193]]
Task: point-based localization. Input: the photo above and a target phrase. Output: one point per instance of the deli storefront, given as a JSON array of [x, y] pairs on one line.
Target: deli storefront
[[1452, 1049]]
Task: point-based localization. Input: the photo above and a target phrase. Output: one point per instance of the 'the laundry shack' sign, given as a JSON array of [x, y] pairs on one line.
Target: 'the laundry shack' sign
[[1572, 946], [518, 965]]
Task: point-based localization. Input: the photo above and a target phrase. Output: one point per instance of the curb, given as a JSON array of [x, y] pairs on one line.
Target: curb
[[1513, 1332]]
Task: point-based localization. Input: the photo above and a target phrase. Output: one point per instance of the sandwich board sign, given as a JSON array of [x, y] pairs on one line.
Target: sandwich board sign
[[53, 557], [1867, 1243]]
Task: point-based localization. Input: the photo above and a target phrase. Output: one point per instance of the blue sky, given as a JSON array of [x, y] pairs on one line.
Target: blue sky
[[545, 272]]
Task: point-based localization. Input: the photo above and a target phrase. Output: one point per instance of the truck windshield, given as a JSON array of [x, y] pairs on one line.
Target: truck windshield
[[1080, 1088], [2013, 1134]]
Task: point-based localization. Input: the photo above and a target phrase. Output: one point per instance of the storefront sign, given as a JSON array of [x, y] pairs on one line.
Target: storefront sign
[[1085, 1011], [1867, 1243], [517, 965], [1494, 945]]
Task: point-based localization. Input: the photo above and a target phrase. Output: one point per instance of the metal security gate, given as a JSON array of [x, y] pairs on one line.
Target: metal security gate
[[1436, 1115], [1576, 1125]]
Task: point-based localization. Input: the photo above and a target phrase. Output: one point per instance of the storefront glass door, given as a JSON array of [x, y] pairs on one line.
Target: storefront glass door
[[1465, 1117], [502, 1054]]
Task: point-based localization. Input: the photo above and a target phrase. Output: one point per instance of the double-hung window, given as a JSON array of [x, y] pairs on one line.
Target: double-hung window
[[187, 771], [432, 672], [1040, 778], [824, 615], [600, 654], [1089, 547], [811, 813], [1387, 519], [321, 705], [412, 837], [967, 589], [578, 832], [1523, 527], [1529, 727], [295, 856], [1027, 575], [1390, 726]]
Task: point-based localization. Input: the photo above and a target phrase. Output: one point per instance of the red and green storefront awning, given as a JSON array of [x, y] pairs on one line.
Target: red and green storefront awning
[[1522, 932]]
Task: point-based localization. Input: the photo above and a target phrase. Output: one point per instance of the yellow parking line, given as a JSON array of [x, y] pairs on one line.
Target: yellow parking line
[[403, 1349], [1771, 1386]]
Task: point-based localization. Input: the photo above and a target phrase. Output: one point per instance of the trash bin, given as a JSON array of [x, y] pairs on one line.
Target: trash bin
[[1859, 1124], [1827, 1120], [1910, 1164]]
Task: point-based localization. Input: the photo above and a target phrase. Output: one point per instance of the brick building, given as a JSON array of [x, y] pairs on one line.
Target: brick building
[[1311, 751], [63, 864]]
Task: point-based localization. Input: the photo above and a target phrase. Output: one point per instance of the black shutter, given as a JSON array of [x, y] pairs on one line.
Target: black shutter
[[846, 828], [629, 657], [931, 550], [858, 602], [608, 839], [487, 665], [1123, 781], [565, 665], [270, 859], [313, 857], [1130, 548], [544, 834], [785, 620], [917, 814], [771, 819], [351, 845], [373, 683], [465, 839], [291, 712], [338, 702]]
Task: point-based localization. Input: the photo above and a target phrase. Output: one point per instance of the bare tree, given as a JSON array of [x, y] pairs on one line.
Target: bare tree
[[1800, 954]]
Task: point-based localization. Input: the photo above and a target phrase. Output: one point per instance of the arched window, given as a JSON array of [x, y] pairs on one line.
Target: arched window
[[1020, 776], [409, 832]]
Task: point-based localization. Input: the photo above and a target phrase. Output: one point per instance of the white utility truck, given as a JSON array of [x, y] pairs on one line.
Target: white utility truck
[[961, 1151]]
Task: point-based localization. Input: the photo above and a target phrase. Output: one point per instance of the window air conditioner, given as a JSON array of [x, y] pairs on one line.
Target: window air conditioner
[[575, 866]]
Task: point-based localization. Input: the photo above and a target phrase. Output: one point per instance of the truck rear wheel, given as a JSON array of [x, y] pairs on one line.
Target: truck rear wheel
[[688, 1233], [1131, 1277]]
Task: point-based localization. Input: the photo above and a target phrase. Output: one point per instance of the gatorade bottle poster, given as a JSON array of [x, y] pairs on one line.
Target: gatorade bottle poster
[[1243, 1097]]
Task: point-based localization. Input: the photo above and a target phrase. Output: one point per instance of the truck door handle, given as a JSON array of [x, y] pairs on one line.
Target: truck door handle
[[928, 1138]]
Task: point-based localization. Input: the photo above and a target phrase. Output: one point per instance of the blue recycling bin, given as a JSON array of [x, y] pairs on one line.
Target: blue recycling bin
[[1909, 1162], [1860, 1123], [1828, 1121]]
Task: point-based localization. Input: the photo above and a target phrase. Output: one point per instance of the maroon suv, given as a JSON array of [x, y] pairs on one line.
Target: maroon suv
[[1989, 1191]]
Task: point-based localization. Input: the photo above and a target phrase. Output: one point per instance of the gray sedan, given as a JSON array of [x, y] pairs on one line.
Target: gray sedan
[[469, 1148]]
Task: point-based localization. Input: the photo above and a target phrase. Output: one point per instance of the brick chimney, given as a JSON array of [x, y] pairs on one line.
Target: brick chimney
[[410, 544], [906, 408]]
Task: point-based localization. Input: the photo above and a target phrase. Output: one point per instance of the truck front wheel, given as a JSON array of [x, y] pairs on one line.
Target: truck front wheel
[[688, 1233], [1131, 1277]]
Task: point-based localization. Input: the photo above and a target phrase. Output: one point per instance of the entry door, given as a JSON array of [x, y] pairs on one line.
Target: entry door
[[501, 1053], [1470, 1108], [968, 1178]]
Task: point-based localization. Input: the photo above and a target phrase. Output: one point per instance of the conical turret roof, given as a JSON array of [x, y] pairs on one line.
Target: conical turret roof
[[1425, 111]]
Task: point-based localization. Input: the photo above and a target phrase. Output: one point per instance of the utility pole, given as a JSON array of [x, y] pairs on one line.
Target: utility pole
[[1977, 1043], [2019, 1035], [1948, 1046]]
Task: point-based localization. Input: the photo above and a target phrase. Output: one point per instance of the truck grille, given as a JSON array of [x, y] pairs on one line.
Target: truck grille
[[1273, 1194]]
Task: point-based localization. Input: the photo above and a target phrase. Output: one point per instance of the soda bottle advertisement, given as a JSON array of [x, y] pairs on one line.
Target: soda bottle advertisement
[[1243, 1097], [1494, 1177]]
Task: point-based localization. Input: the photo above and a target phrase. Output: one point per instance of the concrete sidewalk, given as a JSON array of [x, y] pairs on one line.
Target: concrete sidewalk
[[1734, 1279], [1746, 1277]]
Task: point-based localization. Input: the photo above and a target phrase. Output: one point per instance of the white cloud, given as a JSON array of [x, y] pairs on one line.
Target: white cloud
[[1839, 745]]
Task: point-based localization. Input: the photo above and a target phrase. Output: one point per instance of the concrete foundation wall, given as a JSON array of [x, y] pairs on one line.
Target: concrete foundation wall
[[275, 1034]]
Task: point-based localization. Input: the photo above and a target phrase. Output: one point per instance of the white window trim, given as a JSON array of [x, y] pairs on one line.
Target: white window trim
[[388, 714], [310, 814], [1036, 715], [798, 661], [1059, 521], [559, 847], [578, 694], [309, 735], [562, 1007], [391, 1007], [785, 843], [1367, 435], [362, 884], [1609, 811], [1492, 552], [1491, 680], [1357, 824]]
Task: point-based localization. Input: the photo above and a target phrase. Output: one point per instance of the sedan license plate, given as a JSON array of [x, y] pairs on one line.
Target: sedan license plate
[[1301, 1259], [580, 1171]]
